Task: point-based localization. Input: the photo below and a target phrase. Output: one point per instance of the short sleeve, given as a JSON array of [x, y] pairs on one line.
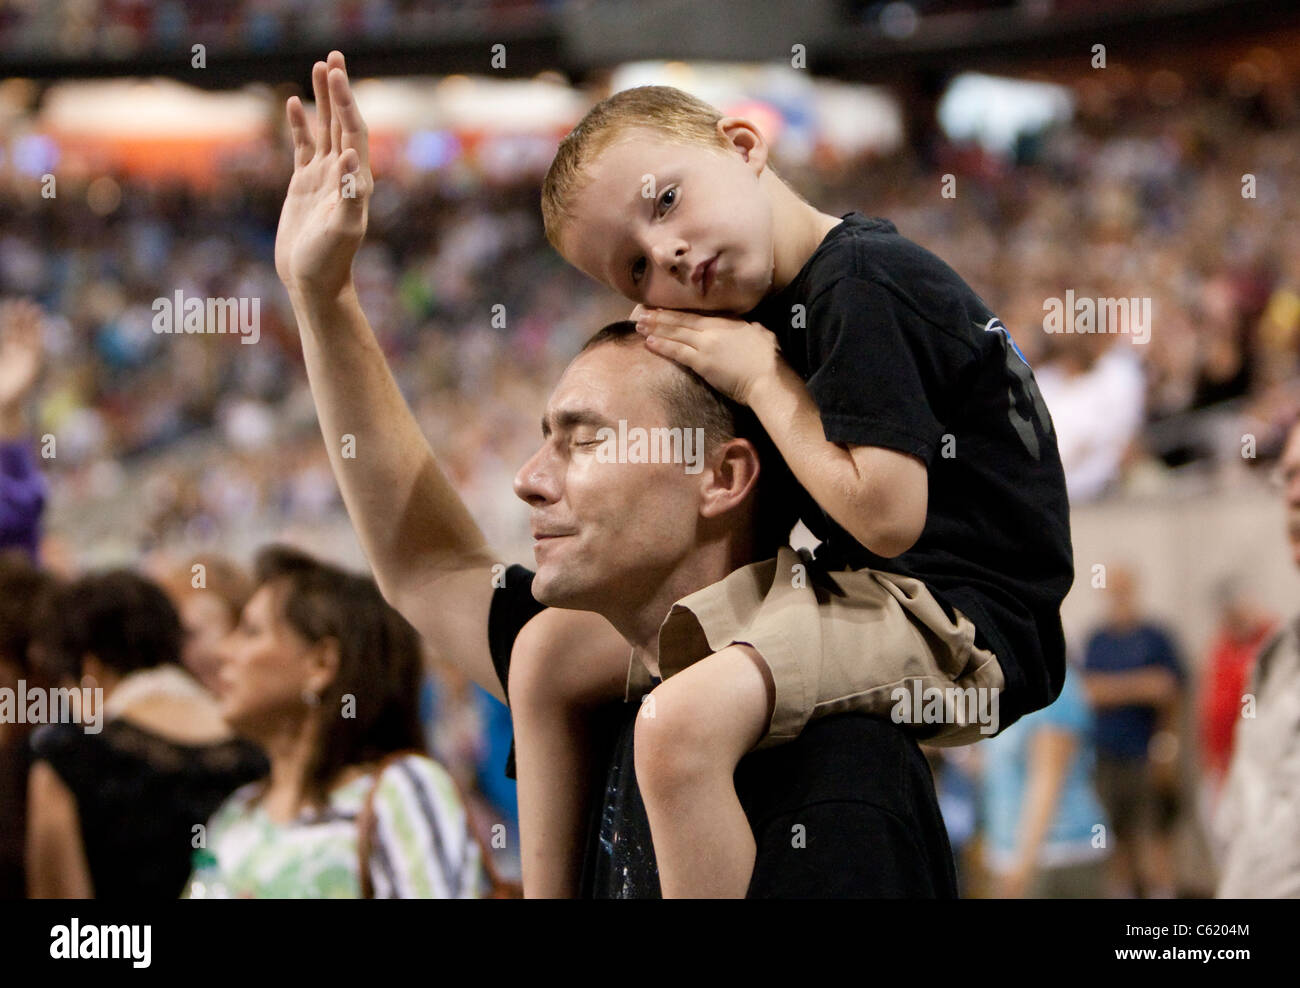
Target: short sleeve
[[1166, 652], [873, 366], [422, 847], [512, 607], [67, 750], [1092, 653]]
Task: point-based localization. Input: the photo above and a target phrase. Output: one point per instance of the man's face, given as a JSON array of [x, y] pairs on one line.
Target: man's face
[[674, 226], [1289, 468], [606, 533], [1122, 594]]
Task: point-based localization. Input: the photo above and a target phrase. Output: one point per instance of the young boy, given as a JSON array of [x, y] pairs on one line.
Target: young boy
[[903, 408]]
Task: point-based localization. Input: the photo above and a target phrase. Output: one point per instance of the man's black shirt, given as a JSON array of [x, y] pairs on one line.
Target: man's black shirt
[[899, 352], [847, 809]]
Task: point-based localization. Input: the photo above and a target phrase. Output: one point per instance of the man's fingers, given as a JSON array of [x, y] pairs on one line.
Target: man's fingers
[[352, 193], [336, 118], [321, 93], [303, 145], [352, 129]]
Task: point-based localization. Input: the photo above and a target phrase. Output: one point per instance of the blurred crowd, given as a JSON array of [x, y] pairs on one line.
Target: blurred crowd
[[117, 28], [470, 303], [195, 436]]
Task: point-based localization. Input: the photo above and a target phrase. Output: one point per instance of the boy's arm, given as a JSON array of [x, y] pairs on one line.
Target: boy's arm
[[878, 495]]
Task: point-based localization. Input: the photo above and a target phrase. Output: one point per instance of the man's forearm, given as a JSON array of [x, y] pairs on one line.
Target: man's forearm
[[1137, 686], [408, 517]]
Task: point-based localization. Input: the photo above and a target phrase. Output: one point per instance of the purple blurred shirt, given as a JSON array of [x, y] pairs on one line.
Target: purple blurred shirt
[[22, 496]]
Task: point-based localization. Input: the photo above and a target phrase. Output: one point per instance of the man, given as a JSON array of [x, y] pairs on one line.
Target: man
[[846, 809], [1133, 679], [1259, 809]]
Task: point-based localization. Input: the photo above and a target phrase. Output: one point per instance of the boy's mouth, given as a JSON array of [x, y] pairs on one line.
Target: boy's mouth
[[703, 274]]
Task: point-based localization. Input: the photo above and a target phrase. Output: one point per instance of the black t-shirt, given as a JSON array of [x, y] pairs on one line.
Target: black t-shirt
[[847, 809], [899, 352], [139, 796]]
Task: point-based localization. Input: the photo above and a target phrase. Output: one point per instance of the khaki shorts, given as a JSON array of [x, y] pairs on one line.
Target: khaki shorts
[[836, 641]]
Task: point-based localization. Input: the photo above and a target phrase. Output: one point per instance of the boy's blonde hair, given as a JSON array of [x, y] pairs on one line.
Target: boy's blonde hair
[[678, 116]]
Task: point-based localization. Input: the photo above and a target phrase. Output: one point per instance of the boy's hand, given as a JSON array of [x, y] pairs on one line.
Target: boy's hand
[[732, 355], [326, 208]]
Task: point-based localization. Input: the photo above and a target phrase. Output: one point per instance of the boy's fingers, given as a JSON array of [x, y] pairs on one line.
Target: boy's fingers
[[352, 129], [300, 128], [320, 90], [669, 331], [673, 350]]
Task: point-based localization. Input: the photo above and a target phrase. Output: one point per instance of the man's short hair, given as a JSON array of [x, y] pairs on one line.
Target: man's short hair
[[676, 116], [693, 403]]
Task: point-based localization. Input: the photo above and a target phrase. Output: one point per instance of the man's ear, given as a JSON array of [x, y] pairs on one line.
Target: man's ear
[[745, 138], [732, 477]]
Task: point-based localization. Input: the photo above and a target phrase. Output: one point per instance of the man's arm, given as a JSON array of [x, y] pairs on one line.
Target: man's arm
[[428, 555], [1152, 686]]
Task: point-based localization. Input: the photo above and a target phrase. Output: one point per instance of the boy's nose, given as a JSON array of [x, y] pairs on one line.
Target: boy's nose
[[670, 257]]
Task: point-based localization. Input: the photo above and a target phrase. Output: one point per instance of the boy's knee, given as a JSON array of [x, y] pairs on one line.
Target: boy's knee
[[673, 744]]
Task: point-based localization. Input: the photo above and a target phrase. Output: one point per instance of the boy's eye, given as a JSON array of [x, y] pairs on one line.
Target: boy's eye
[[638, 270], [666, 200]]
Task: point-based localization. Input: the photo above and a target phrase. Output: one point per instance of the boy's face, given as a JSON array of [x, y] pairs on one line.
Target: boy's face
[[676, 226]]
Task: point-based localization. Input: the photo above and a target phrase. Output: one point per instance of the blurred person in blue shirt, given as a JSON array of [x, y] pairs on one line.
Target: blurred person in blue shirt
[[1133, 680], [1046, 832]]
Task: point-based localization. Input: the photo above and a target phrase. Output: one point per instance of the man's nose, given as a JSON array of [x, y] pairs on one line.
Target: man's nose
[[534, 483]]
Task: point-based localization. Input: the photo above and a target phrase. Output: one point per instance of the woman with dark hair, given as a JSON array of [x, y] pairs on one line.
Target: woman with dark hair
[[325, 676], [118, 792]]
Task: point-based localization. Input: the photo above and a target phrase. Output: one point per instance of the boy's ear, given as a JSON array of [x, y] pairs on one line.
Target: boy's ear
[[745, 137]]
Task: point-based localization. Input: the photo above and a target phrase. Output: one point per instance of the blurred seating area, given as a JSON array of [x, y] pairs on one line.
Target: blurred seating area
[[478, 314]]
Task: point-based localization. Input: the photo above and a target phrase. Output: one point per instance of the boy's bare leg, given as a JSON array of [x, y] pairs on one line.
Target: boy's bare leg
[[688, 742], [559, 672]]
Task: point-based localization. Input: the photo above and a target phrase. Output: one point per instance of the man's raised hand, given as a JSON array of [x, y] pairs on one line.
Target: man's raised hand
[[325, 211]]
